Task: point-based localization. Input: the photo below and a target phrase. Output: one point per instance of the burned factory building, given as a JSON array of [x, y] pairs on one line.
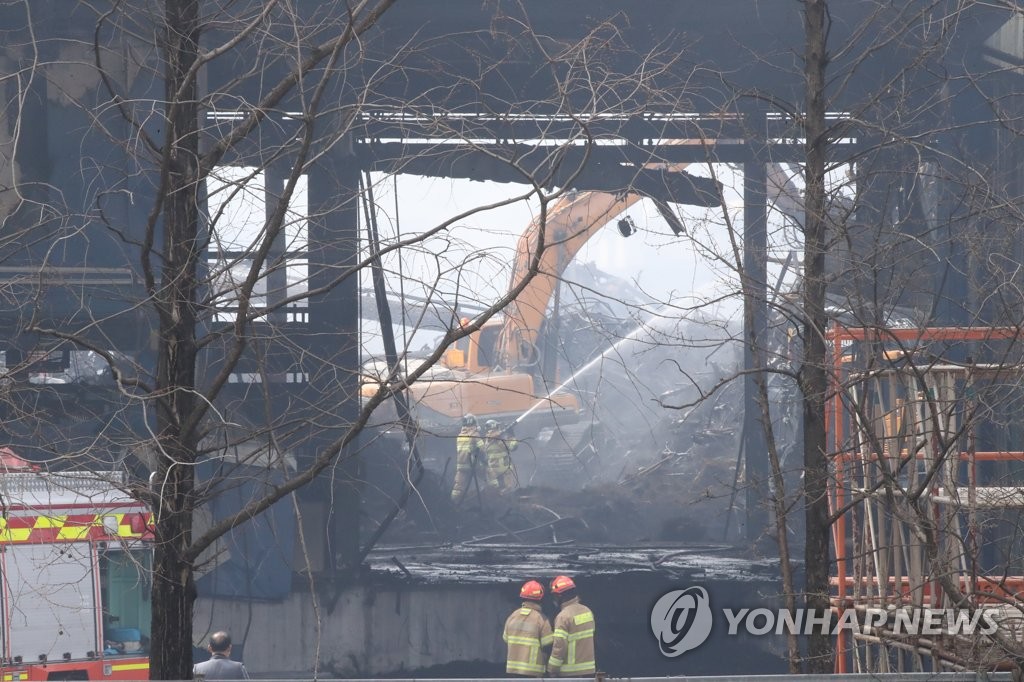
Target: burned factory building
[[352, 328]]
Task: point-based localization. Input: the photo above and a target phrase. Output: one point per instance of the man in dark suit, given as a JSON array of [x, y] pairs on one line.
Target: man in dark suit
[[220, 666]]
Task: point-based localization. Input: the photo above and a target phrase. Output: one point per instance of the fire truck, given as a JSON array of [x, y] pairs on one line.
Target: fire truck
[[75, 575]]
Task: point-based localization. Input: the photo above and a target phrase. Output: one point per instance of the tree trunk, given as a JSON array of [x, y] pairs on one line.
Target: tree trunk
[[173, 586], [780, 508], [173, 599], [813, 376]]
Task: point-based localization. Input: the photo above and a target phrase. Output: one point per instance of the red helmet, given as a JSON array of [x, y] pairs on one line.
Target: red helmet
[[562, 583], [532, 590]]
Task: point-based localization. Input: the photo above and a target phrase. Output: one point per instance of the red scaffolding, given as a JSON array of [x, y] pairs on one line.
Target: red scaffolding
[[903, 420]]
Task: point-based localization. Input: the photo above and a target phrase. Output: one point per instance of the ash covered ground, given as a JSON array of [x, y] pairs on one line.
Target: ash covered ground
[[624, 492], [655, 458]]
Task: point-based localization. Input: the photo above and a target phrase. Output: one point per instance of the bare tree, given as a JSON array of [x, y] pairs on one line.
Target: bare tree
[[898, 256], [213, 196], [898, 170], [218, 182]]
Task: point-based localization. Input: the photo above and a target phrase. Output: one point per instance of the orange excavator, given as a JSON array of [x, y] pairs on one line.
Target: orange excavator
[[499, 372], [502, 371]]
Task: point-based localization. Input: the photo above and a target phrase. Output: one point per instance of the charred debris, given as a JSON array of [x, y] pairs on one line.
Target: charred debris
[[651, 478]]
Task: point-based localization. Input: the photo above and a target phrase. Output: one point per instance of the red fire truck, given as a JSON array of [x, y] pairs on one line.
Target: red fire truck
[[75, 576]]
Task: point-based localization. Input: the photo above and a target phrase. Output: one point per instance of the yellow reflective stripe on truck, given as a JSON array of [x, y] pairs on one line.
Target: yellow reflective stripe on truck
[[13, 535], [73, 527], [74, 532]]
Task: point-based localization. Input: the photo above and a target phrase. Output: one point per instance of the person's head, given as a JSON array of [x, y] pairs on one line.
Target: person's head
[[563, 588], [469, 422], [531, 591], [220, 643], [493, 426]]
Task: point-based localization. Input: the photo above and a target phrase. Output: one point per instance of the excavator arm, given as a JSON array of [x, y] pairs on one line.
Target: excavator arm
[[550, 246]]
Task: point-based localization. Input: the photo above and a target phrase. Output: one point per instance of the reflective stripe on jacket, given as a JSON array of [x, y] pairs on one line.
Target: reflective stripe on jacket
[[527, 633], [572, 652], [499, 461], [466, 443]]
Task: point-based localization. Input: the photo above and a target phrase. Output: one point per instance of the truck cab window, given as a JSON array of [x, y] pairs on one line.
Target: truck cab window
[[126, 579]]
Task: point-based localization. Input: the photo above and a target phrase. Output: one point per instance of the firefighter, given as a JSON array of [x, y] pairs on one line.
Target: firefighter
[[528, 634], [468, 450], [498, 445], [572, 650]]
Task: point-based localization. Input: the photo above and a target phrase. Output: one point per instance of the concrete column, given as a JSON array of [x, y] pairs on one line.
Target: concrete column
[[331, 338], [755, 323]]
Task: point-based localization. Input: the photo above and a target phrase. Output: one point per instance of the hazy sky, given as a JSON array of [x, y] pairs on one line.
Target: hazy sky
[[663, 265], [469, 263]]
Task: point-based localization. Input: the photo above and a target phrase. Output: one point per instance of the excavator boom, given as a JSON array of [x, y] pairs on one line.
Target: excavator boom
[[548, 247]]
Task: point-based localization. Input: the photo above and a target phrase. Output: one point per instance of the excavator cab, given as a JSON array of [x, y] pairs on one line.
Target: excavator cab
[[476, 352]]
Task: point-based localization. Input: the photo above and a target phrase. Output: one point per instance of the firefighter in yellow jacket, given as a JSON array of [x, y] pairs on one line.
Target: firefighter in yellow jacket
[[498, 445], [528, 634], [468, 448], [572, 650]]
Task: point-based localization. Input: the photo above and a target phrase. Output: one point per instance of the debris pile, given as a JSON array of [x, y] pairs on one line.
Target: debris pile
[[678, 497], [656, 462]]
